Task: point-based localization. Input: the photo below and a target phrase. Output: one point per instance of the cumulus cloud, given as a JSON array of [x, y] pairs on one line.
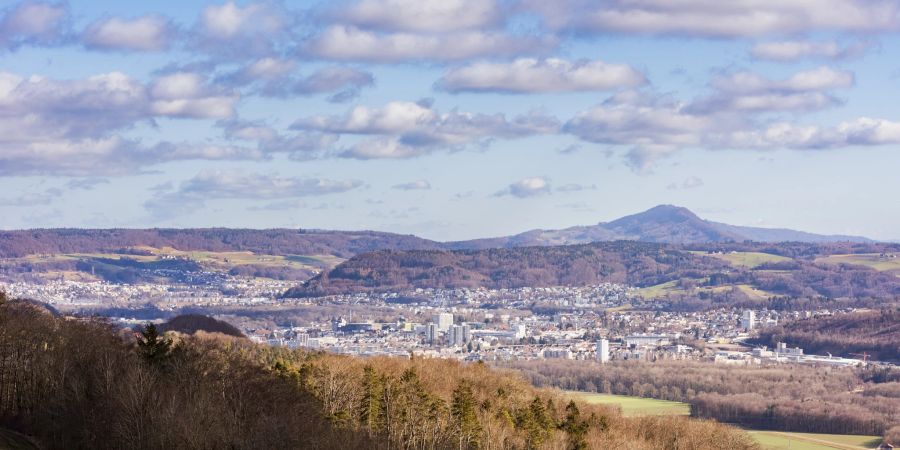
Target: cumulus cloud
[[33, 23], [69, 127], [796, 50], [529, 75], [147, 33], [299, 146], [407, 129], [747, 91], [527, 187], [428, 16], [417, 185], [346, 42], [705, 18], [233, 32], [272, 77], [656, 127], [193, 194]]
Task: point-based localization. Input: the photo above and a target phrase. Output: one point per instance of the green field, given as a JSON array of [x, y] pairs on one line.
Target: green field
[[635, 406], [873, 260], [746, 259], [671, 287], [776, 440]]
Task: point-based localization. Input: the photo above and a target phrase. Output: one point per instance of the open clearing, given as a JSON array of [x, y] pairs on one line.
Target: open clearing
[[672, 288], [635, 406], [873, 260], [746, 259], [778, 440]]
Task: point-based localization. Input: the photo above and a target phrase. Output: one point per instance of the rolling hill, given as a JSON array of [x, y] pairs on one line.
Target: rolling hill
[[663, 223]]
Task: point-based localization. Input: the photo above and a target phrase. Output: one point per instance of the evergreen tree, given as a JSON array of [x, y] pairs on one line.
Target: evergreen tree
[[465, 418], [152, 346], [370, 407], [575, 428]]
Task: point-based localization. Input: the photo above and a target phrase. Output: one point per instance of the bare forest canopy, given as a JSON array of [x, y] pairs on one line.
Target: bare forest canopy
[[778, 397], [83, 384], [700, 278], [870, 334]]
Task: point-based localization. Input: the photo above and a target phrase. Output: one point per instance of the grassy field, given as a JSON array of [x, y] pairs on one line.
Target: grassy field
[[873, 260], [635, 406], [746, 259], [671, 287], [10, 440], [776, 440]]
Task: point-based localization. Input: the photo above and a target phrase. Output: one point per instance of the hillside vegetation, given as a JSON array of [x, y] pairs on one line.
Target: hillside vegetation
[[876, 333], [81, 384]]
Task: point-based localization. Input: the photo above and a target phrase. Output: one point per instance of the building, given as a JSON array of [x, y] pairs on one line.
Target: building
[[431, 333], [443, 321], [647, 340], [603, 350], [748, 320]]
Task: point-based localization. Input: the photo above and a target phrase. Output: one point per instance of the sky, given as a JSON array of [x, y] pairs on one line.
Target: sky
[[449, 119]]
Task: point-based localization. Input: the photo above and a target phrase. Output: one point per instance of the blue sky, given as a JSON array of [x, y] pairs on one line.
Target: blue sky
[[450, 119]]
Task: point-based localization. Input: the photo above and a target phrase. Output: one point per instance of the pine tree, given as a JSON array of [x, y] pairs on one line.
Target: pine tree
[[153, 347], [370, 407], [465, 418], [575, 427]]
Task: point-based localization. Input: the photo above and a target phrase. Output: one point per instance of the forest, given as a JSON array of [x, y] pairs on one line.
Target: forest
[[777, 397], [629, 262], [70, 383], [873, 334]]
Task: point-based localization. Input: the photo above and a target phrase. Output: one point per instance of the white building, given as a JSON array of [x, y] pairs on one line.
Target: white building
[[603, 350], [443, 321], [431, 333], [748, 320]]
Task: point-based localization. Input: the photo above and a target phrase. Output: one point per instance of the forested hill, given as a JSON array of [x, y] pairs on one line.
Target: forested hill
[[876, 333], [343, 244], [630, 262], [715, 275]]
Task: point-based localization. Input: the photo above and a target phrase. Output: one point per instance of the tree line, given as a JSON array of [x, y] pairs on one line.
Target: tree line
[[776, 397]]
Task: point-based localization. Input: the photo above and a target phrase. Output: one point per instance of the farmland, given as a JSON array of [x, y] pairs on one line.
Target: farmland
[[635, 406], [776, 440]]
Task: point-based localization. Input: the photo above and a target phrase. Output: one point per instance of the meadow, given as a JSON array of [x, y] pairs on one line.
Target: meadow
[[635, 406]]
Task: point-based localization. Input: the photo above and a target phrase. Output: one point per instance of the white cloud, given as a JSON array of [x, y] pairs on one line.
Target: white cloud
[[802, 91], [406, 129], [193, 194], [797, 50], [714, 18], [527, 187], [417, 185], [184, 94], [529, 75], [147, 33], [69, 126], [427, 16], [653, 128], [33, 22], [342, 42], [232, 32]]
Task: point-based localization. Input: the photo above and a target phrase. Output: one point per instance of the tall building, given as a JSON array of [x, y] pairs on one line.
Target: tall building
[[603, 350], [443, 321], [459, 335], [431, 333], [748, 320]]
